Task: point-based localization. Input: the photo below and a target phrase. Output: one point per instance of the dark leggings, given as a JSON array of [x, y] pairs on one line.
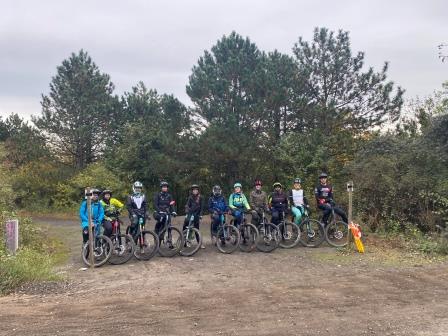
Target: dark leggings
[[160, 222], [214, 224], [107, 225], [277, 216], [134, 228], [326, 211]]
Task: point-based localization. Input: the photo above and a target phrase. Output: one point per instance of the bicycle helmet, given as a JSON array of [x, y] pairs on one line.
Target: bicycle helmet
[[107, 191], [277, 184], [163, 184], [237, 185], [216, 190], [258, 183], [297, 180], [323, 175], [137, 184], [194, 186], [95, 191]]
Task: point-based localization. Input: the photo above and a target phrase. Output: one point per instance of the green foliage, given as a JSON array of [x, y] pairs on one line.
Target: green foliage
[[69, 193], [27, 266], [79, 112], [34, 184], [23, 142], [405, 182], [345, 96], [34, 260]]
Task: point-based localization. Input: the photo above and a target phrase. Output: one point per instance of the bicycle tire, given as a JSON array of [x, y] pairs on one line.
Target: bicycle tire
[[121, 253], [340, 235], [104, 249], [186, 251], [311, 235], [268, 241], [230, 244], [289, 235], [248, 244], [168, 247], [149, 247]]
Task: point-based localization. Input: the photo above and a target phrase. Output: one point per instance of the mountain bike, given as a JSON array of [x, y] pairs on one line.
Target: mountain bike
[[336, 231], [227, 237], [248, 234], [312, 232], [123, 246], [146, 241], [192, 238], [268, 235], [102, 249], [170, 238], [289, 233]]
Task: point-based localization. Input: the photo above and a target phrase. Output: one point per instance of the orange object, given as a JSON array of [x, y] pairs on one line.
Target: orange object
[[356, 232]]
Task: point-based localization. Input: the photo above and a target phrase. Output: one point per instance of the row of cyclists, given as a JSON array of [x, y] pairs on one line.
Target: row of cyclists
[[278, 203]]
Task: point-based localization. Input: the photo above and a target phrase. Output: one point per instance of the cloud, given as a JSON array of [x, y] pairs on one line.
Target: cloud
[[158, 42]]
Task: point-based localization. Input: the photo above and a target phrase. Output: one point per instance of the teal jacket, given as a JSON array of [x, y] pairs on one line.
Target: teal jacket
[[97, 214], [238, 201]]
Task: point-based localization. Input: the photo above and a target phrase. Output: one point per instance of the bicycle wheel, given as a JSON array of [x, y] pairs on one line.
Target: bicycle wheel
[[228, 239], [312, 233], [268, 238], [147, 245], [337, 234], [102, 251], [192, 243], [170, 242], [289, 234], [123, 248], [248, 237]]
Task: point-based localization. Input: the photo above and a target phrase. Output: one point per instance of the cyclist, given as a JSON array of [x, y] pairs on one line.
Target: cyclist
[[97, 215], [194, 208], [137, 207], [278, 203], [112, 208], [298, 201], [217, 207], [163, 202], [258, 201], [238, 203], [324, 199]]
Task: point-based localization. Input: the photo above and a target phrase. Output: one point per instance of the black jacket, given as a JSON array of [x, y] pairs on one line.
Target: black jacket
[[279, 201], [194, 205], [162, 202], [137, 205], [324, 194]]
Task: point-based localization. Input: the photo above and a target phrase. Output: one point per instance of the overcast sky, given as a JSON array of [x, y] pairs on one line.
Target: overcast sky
[[158, 42]]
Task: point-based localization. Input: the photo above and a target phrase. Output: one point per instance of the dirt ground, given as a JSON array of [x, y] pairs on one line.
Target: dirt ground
[[288, 292]]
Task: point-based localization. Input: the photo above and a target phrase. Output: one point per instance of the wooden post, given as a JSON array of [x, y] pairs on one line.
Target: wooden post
[[350, 206], [12, 236], [91, 228]]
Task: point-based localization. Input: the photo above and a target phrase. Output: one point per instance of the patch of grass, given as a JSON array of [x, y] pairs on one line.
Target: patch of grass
[[39, 251], [56, 214], [27, 266], [392, 250]]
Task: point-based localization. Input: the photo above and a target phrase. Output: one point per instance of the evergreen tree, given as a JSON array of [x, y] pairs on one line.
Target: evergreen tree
[[80, 113]]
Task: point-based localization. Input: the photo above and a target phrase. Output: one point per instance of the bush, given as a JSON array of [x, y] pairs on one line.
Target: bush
[[27, 266], [33, 262], [69, 193]]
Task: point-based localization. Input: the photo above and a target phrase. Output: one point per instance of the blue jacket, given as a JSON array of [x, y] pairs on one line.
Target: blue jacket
[[97, 214], [217, 203]]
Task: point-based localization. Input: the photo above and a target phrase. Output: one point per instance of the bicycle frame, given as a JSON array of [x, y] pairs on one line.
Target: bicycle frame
[[265, 223], [221, 225], [190, 225], [167, 225]]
